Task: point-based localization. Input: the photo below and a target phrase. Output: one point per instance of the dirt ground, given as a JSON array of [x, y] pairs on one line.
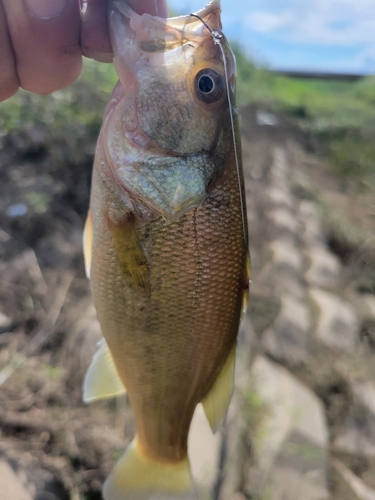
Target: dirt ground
[[48, 331]]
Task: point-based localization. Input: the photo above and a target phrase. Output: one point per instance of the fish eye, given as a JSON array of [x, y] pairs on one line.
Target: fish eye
[[209, 85]]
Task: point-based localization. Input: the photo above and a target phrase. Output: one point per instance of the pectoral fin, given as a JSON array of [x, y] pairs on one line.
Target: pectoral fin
[[132, 260], [102, 380], [217, 401], [87, 244]]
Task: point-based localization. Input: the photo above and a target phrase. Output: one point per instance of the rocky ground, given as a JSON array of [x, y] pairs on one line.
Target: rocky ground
[[308, 394], [302, 421]]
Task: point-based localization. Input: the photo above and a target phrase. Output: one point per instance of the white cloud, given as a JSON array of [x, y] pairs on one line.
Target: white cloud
[[333, 22], [262, 21], [340, 34]]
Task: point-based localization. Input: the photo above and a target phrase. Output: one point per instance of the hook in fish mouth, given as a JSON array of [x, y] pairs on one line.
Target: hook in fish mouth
[[215, 34], [178, 22]]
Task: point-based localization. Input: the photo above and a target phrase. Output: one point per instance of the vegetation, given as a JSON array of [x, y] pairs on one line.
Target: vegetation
[[68, 120], [338, 116]]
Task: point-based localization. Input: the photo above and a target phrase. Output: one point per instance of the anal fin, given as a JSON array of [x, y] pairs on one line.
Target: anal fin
[[102, 380], [216, 402]]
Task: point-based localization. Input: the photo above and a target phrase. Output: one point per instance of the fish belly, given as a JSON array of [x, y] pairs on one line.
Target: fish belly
[[170, 340]]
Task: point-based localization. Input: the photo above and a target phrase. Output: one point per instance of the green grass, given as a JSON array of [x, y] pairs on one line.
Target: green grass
[[338, 116], [69, 119], [97, 80]]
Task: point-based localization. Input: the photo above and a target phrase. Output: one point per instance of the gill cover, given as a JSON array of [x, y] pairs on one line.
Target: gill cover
[[174, 98]]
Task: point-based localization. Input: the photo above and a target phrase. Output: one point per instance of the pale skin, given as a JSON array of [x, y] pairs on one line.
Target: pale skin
[[42, 41]]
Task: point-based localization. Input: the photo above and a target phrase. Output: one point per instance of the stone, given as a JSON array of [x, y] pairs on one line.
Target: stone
[[289, 486], [337, 323], [364, 393], [349, 485], [358, 437], [5, 322], [284, 220], [287, 339], [289, 283], [369, 301], [355, 439], [279, 168], [210, 453], [13, 486], [308, 210], [286, 255], [324, 267], [81, 345], [266, 118], [204, 449], [279, 196], [287, 268], [279, 160], [290, 452], [229, 458], [312, 234]]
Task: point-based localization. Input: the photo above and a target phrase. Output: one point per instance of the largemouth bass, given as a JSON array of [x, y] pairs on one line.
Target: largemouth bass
[[166, 241]]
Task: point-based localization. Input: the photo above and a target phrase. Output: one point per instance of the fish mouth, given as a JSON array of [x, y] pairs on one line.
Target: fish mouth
[[157, 61], [133, 35], [191, 23], [151, 131]]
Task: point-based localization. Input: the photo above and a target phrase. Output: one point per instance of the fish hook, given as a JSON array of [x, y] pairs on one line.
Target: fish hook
[[215, 34]]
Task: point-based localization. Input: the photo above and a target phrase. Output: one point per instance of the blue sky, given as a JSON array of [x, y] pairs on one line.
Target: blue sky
[[318, 35]]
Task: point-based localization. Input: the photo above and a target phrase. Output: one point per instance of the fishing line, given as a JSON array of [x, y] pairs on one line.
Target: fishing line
[[218, 38], [215, 34]]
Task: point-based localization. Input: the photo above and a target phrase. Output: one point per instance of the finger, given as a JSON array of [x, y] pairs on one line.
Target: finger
[[45, 39], [153, 7], [94, 32], [8, 74]]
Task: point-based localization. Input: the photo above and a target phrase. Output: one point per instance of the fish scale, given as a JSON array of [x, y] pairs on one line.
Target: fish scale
[[168, 267], [169, 314]]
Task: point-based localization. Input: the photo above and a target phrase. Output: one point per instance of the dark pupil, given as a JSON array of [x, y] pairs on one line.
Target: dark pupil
[[205, 84]]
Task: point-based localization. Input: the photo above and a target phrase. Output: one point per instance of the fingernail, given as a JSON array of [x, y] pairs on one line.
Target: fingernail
[[45, 9]]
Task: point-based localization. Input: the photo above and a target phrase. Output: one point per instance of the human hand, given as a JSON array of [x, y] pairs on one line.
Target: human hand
[[42, 41]]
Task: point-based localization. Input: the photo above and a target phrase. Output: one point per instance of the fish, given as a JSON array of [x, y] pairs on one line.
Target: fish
[[165, 241]]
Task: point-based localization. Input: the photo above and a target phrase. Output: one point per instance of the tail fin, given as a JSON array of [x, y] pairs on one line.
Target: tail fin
[[136, 477]]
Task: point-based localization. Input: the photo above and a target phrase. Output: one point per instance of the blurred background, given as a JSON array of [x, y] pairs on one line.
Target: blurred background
[[302, 421], [335, 36]]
